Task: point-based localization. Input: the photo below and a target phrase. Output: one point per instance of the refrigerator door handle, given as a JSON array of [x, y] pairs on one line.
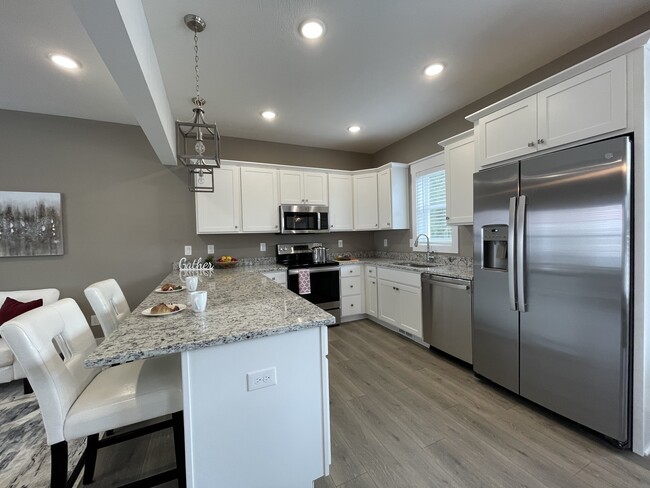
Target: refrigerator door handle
[[511, 254], [521, 244]]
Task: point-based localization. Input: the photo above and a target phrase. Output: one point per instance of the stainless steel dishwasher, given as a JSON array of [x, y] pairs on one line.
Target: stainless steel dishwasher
[[447, 315]]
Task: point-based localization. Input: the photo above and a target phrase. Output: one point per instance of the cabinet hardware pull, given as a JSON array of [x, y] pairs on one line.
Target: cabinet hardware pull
[[540, 141], [236, 227], [446, 218], [351, 286], [332, 225], [531, 144], [387, 223], [352, 305]]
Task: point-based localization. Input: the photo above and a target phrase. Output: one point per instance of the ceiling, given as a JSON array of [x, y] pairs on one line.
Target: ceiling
[[366, 70]]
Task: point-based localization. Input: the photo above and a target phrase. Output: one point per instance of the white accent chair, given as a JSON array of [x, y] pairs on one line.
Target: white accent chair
[[77, 402], [10, 370], [109, 304]]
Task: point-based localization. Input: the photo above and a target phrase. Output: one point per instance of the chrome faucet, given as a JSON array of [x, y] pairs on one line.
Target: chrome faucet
[[417, 239]]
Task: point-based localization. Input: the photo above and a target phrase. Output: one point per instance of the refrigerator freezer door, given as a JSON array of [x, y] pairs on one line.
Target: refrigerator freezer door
[[495, 327], [575, 334]]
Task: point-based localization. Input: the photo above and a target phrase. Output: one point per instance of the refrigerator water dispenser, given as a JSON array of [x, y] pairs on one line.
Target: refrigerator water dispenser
[[495, 247]]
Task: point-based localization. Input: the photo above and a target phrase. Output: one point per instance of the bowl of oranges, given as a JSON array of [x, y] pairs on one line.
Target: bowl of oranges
[[225, 262]]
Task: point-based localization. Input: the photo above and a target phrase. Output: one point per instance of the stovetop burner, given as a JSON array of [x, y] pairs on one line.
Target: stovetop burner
[[299, 256]]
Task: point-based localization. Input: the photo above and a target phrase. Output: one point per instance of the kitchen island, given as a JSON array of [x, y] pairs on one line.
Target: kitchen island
[[255, 378]]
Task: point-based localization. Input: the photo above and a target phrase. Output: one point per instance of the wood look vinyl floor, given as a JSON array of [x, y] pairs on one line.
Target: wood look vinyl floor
[[403, 416]]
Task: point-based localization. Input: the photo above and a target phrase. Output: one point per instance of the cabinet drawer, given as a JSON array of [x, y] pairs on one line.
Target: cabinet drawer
[[350, 286], [351, 305], [371, 270], [354, 270], [404, 277]]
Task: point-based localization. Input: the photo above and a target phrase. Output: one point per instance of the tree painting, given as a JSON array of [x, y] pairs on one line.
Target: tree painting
[[31, 224]]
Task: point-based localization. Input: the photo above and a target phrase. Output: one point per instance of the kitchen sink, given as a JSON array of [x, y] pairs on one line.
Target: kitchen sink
[[414, 265]]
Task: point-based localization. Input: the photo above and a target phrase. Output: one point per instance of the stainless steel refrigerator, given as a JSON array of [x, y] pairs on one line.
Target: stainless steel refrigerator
[[552, 282]]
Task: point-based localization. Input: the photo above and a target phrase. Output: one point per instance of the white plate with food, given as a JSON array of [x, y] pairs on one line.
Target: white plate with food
[[169, 288], [164, 309]]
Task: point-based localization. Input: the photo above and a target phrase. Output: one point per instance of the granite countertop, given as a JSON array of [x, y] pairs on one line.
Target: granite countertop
[[448, 270], [242, 305]]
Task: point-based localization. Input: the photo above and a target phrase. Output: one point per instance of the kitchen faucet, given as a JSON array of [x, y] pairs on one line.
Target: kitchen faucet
[[428, 246]]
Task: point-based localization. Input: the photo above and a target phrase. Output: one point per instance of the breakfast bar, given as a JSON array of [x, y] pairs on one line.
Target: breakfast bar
[[255, 378]]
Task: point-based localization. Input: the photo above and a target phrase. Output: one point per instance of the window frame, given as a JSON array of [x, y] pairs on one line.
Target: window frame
[[434, 162]]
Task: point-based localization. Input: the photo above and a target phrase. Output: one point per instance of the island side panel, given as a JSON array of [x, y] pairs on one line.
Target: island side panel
[[276, 436]]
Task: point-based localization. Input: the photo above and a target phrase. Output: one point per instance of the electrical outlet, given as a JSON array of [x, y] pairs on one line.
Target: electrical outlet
[[261, 379], [340, 242], [385, 242], [263, 246], [188, 250], [410, 242], [210, 248]]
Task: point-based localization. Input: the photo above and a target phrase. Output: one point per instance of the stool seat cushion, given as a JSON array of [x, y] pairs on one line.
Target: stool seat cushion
[[126, 394]]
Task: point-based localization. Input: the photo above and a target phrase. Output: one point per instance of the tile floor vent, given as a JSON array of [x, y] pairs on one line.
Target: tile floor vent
[[407, 334]]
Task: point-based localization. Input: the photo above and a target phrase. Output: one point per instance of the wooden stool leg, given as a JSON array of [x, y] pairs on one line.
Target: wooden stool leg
[[179, 447], [59, 473], [91, 458]]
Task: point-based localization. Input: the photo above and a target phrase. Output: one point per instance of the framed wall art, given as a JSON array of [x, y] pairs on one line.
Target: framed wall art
[[31, 224]]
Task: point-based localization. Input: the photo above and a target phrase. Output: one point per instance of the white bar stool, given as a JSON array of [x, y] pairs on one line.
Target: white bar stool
[[109, 304]]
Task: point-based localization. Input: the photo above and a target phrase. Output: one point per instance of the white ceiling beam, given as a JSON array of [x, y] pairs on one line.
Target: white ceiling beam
[[120, 32]]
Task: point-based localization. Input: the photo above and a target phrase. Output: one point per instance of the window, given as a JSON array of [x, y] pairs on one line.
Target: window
[[429, 204]]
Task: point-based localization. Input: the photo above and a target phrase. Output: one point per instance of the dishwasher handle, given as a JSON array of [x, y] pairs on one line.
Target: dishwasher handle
[[448, 283]]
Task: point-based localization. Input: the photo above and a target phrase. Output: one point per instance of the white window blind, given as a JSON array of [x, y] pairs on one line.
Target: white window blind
[[431, 206]]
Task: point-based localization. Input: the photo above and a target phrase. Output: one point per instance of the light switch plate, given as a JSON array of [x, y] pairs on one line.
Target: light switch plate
[[262, 246], [340, 242], [210, 248], [188, 250]]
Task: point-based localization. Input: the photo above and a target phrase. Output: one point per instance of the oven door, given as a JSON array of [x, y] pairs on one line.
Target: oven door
[[303, 219], [324, 283]]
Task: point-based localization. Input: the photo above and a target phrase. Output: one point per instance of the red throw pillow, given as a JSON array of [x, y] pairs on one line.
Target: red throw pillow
[[13, 308]]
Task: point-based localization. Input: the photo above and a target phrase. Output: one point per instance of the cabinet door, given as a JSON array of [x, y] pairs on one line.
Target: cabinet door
[[340, 202], [371, 296], [459, 174], [314, 188], [508, 133], [388, 304], [365, 202], [586, 105], [259, 199], [220, 211], [291, 187], [384, 199], [410, 309]]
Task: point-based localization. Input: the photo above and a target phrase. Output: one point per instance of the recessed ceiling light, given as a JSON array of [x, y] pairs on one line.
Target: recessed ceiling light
[[354, 129], [269, 114], [64, 61], [312, 29], [433, 69]]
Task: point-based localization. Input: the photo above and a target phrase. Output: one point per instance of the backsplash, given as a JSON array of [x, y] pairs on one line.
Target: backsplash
[[438, 259]]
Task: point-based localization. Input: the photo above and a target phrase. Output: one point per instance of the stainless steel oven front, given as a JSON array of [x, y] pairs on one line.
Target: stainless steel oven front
[[325, 290], [304, 219]]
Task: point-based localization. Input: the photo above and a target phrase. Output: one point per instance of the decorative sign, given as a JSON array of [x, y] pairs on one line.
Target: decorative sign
[[193, 266], [31, 224]]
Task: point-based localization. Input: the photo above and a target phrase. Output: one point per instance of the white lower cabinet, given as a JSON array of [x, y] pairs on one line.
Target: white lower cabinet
[[400, 300], [352, 302], [279, 277], [370, 290]]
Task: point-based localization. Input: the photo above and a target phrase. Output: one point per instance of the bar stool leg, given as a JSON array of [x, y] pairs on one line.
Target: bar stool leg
[[91, 458], [59, 472], [179, 447]]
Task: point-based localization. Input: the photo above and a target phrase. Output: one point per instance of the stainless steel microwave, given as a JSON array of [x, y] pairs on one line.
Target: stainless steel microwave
[[304, 219]]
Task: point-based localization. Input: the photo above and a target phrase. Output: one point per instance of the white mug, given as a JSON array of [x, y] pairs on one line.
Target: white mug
[[198, 300], [192, 282]]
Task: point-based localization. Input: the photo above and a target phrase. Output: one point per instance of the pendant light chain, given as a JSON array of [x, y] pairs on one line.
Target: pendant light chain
[[196, 62]]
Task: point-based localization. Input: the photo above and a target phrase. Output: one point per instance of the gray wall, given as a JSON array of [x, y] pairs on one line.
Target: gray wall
[[124, 214]]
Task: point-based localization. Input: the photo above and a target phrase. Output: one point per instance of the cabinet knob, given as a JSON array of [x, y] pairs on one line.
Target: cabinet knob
[[352, 305], [276, 226], [375, 225], [388, 223], [306, 201], [446, 218], [351, 286], [540, 141], [531, 144], [332, 226], [236, 227]]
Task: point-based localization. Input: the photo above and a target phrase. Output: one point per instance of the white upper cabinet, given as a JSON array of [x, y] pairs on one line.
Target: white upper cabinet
[[587, 105], [366, 216], [340, 202], [219, 212], [259, 199], [303, 187], [393, 204], [460, 157]]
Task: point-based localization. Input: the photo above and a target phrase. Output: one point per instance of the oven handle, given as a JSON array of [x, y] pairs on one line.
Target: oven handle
[[315, 270]]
